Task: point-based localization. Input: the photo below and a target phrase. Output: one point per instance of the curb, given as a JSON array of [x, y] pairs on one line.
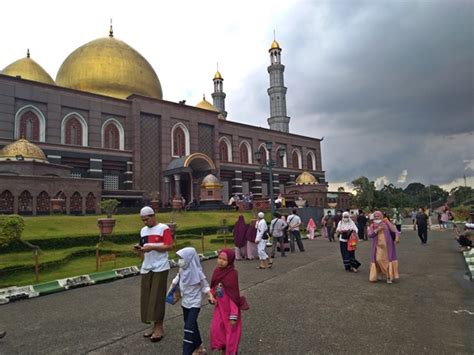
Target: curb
[[469, 257]]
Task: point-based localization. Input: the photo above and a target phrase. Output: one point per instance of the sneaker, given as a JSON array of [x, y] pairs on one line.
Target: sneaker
[[389, 282]]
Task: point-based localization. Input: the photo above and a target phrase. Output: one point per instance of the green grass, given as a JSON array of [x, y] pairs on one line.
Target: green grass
[[46, 227], [86, 264]]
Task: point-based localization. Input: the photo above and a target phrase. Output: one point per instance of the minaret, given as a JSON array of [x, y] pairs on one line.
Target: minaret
[[218, 96], [278, 120]]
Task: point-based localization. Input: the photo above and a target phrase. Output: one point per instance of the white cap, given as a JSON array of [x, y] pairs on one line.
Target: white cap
[[146, 211], [261, 215]]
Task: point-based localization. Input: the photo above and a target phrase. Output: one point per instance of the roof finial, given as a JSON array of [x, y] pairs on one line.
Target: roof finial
[[27, 53], [274, 38], [111, 31], [204, 97], [217, 66]]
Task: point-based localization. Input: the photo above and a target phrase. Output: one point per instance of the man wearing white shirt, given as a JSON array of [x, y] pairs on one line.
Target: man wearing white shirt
[[261, 227], [294, 223]]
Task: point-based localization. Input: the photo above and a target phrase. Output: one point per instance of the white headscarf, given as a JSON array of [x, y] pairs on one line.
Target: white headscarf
[[346, 224], [191, 273]]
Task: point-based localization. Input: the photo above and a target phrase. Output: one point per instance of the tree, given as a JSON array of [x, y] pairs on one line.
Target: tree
[[11, 229], [462, 194], [365, 192], [414, 188], [340, 189]]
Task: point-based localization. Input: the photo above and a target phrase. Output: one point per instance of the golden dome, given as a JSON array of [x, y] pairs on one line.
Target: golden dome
[[110, 67], [206, 105], [305, 178], [27, 150], [210, 181], [275, 45], [28, 69], [218, 75]]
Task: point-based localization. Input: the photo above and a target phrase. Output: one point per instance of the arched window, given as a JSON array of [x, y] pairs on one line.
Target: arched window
[[281, 157], [245, 153], [225, 149], [90, 203], [30, 124], [310, 161], [42, 203], [76, 203], [74, 130], [25, 202], [6, 202], [296, 159], [263, 153], [113, 135], [179, 140], [62, 196]]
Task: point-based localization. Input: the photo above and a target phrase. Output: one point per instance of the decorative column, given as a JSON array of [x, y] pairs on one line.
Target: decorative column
[[95, 168], [167, 196], [128, 183], [237, 183], [276, 184], [177, 187], [292, 180], [256, 185]]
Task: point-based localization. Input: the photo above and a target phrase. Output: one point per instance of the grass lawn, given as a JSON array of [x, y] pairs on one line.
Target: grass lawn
[[46, 227]]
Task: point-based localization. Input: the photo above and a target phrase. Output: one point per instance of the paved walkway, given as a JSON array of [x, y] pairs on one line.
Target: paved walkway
[[306, 304]]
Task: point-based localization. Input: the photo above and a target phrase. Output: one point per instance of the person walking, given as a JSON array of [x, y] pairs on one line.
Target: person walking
[[422, 225], [262, 227], [294, 223], [330, 225], [384, 261], [250, 235], [155, 241], [192, 285], [239, 231], [310, 228], [345, 228], [398, 220], [277, 227], [413, 218], [226, 323], [361, 225]]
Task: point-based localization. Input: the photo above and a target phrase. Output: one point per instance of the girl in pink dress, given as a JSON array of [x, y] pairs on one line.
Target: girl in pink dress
[[226, 323]]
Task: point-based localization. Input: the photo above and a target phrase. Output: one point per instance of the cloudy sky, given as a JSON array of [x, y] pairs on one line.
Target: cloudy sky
[[388, 84]]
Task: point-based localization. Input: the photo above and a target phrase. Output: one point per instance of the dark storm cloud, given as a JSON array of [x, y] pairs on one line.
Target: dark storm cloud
[[386, 82]]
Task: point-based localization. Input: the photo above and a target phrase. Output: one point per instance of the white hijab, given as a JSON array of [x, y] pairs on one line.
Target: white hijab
[[191, 273], [346, 224]]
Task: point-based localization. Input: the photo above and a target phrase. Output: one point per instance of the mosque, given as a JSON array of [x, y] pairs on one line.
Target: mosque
[[103, 130]]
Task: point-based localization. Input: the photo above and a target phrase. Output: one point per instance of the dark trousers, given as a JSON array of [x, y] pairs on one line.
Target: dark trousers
[[399, 227], [192, 338], [276, 240], [348, 257], [361, 231], [330, 231], [295, 235], [423, 233]]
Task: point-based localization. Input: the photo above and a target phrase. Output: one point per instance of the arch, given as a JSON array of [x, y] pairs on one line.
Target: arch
[[25, 202], [76, 203], [263, 151], [296, 160], [245, 152], [177, 143], [62, 196], [6, 202], [33, 110], [199, 156], [310, 161], [64, 126], [42, 203], [225, 154], [281, 162], [121, 132], [90, 203]]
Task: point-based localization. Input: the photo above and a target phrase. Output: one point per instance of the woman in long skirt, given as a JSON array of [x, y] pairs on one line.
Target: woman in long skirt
[[345, 228], [240, 241], [384, 261], [251, 234]]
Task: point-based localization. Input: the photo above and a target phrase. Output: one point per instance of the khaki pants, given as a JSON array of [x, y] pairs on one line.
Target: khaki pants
[[153, 296]]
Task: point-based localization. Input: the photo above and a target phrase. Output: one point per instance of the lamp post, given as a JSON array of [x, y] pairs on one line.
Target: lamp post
[[270, 163]]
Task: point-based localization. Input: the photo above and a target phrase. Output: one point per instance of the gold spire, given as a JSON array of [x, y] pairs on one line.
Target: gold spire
[[111, 30], [28, 53], [275, 44], [206, 105], [218, 75]]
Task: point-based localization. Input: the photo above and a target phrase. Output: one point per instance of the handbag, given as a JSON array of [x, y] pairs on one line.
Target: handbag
[[352, 242], [174, 295]]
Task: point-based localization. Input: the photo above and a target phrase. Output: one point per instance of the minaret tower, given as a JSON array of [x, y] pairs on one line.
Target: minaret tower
[[278, 120], [218, 96]]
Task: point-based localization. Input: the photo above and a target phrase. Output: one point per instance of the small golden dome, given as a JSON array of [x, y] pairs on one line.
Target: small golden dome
[[305, 178], [218, 75], [211, 181], [28, 69], [275, 45], [206, 105], [27, 150], [110, 67]]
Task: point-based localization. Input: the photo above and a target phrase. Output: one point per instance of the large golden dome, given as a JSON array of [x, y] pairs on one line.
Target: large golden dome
[[306, 178], [206, 105], [110, 67], [28, 69], [22, 147]]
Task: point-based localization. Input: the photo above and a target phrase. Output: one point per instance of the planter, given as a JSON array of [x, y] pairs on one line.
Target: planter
[[106, 225]]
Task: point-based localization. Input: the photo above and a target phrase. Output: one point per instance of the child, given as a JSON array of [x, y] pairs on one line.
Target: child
[[226, 323], [192, 284]]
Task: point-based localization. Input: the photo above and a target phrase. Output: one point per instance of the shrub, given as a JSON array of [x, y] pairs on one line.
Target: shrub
[[109, 206], [11, 228]]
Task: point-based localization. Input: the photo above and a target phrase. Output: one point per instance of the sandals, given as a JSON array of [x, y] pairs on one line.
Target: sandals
[[270, 265], [155, 338], [260, 267], [147, 335]]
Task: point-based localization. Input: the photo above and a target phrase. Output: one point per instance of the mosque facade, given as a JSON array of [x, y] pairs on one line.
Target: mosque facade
[[105, 119]]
